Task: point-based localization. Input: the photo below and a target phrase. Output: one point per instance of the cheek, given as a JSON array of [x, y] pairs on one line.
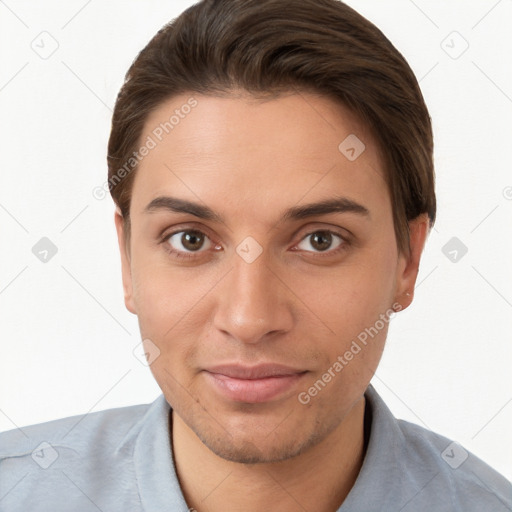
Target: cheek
[[153, 298], [161, 295], [162, 308], [356, 304], [171, 311], [357, 294]]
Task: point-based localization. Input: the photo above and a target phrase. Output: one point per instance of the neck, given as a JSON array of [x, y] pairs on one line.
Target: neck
[[318, 479]]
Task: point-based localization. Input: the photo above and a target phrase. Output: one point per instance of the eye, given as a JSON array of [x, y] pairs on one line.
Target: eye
[[185, 242], [321, 241]]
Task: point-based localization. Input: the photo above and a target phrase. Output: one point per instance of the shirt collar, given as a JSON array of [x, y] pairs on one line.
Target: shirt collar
[[382, 464], [154, 465]]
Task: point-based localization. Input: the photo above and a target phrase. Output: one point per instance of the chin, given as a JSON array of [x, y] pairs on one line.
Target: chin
[[258, 449], [246, 452]]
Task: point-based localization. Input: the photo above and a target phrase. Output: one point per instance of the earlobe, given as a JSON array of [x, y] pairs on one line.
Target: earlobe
[[125, 261], [408, 264]]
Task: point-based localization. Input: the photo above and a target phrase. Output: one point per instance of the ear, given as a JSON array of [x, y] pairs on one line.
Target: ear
[[408, 264], [125, 261]]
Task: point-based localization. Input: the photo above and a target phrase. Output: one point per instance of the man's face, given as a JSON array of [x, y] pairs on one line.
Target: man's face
[[251, 286]]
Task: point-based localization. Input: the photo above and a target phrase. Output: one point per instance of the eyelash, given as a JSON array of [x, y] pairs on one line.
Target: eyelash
[[192, 255]]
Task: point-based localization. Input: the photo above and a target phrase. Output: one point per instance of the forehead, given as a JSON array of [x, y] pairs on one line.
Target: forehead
[[245, 152]]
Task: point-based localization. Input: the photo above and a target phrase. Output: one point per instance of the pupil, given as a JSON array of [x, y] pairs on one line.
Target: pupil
[[192, 240], [321, 240]]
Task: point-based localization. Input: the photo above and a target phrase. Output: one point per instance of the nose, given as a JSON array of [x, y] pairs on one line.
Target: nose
[[254, 303]]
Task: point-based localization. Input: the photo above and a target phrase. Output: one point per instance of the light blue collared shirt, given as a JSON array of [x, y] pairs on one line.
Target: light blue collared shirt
[[122, 460]]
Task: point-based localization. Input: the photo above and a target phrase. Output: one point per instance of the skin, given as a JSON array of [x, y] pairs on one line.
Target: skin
[[298, 303]]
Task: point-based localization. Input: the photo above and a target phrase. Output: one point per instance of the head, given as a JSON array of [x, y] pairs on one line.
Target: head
[[271, 163]]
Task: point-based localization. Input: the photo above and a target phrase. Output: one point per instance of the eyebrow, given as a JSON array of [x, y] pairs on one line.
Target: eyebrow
[[333, 205]]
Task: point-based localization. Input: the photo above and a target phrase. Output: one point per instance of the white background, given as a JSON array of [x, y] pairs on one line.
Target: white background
[[66, 338]]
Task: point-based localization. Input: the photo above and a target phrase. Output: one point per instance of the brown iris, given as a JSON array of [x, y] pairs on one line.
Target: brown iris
[[192, 240], [321, 240]]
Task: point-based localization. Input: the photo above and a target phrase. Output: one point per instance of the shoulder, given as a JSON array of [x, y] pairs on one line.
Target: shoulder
[[410, 468], [71, 460], [456, 476], [73, 432]]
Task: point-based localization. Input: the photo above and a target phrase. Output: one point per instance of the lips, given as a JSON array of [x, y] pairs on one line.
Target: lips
[[253, 372], [254, 384]]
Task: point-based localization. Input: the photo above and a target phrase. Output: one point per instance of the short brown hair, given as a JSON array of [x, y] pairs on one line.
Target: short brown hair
[[269, 47]]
